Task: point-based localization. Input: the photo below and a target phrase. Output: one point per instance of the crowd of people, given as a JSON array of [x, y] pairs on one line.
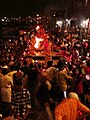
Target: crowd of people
[[35, 86], [26, 84]]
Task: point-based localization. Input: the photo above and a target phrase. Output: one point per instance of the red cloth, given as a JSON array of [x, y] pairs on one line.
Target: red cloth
[[87, 70]]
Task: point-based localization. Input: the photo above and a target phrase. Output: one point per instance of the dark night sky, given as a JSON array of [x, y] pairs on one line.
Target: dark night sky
[[26, 7]]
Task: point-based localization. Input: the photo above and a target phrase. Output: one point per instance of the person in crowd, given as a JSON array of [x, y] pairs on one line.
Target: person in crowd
[[18, 74], [43, 95], [75, 53], [68, 107], [25, 67], [12, 70], [87, 96], [43, 90], [73, 95], [6, 83], [20, 100], [87, 68], [32, 74], [51, 71], [86, 83], [78, 82], [62, 77]]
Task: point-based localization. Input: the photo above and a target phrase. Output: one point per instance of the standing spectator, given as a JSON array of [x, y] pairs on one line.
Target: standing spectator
[[73, 95], [25, 69], [12, 70], [50, 71], [32, 81], [20, 100], [62, 77], [67, 109], [43, 95], [78, 81], [6, 83], [87, 68]]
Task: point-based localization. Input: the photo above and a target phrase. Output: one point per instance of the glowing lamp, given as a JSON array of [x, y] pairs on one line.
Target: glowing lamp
[[38, 27]]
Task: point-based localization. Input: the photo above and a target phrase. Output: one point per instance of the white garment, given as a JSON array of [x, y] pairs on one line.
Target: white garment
[[5, 84], [6, 94]]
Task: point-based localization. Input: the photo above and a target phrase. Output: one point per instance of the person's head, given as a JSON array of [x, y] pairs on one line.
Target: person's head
[[39, 66], [18, 84], [49, 63], [60, 64], [73, 95], [12, 67], [4, 70], [77, 71]]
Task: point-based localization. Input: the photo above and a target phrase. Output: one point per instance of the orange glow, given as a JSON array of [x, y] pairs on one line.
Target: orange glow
[[37, 42]]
